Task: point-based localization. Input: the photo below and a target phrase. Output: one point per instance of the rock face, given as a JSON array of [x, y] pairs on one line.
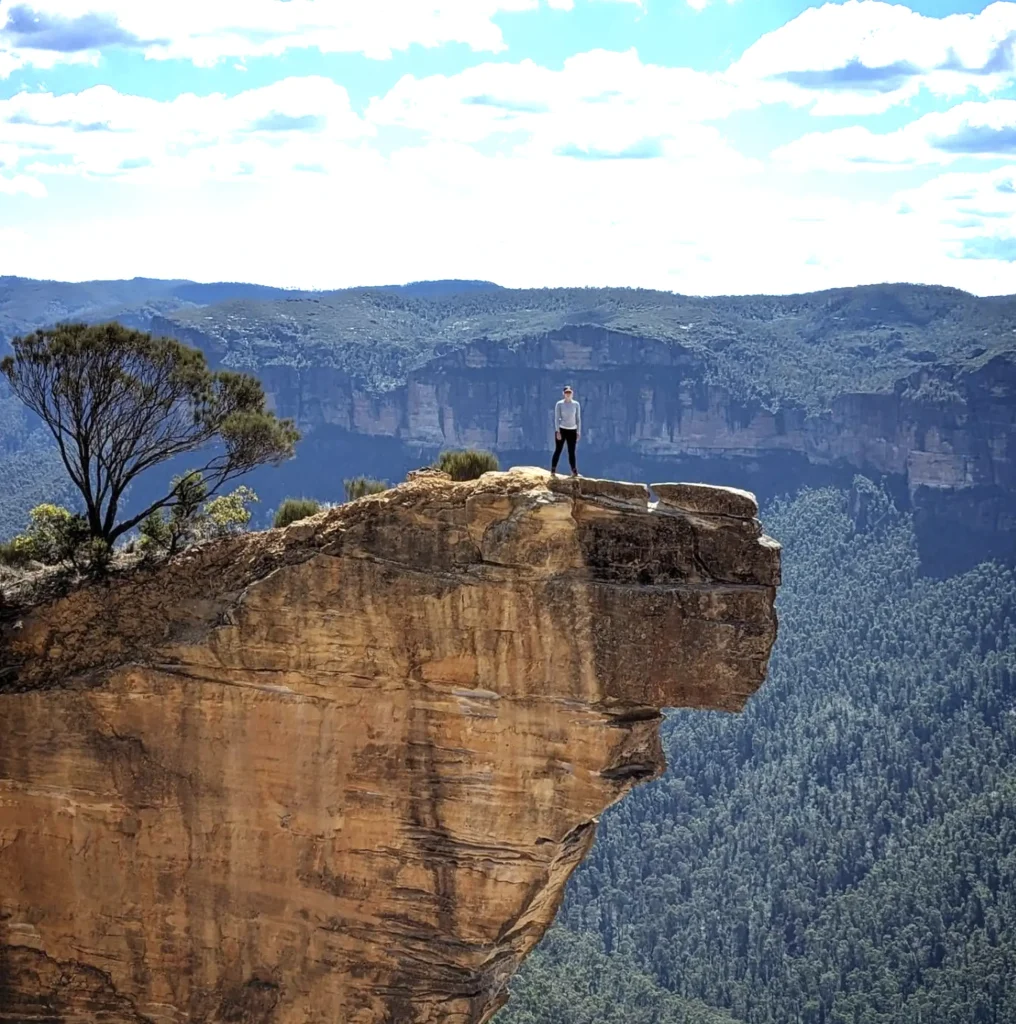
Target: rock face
[[342, 771], [946, 439]]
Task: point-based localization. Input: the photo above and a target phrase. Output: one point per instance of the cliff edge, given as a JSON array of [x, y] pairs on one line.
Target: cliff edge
[[342, 771]]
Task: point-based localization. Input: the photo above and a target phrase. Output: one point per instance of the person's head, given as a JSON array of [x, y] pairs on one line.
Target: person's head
[[567, 393]]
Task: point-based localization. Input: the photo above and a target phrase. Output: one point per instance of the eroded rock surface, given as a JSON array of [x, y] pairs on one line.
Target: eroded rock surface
[[342, 771]]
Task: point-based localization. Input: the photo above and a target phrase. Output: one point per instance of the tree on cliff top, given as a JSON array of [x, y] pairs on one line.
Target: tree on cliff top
[[120, 402]]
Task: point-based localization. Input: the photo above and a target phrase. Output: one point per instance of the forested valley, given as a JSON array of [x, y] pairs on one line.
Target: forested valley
[[844, 851]]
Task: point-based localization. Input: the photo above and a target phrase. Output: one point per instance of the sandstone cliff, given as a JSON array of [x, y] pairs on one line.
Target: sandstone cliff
[[945, 438], [342, 771]]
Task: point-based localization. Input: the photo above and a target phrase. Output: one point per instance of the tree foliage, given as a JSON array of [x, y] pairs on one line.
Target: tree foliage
[[120, 402], [778, 349], [55, 536], [573, 981], [193, 518]]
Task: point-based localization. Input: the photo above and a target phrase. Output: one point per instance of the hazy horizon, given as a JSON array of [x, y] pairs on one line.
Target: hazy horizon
[[494, 284], [700, 147]]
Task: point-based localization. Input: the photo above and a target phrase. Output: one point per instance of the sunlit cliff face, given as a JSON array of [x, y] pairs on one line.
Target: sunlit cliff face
[[342, 771]]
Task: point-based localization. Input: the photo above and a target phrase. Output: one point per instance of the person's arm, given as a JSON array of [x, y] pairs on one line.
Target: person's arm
[[557, 420], [578, 420]]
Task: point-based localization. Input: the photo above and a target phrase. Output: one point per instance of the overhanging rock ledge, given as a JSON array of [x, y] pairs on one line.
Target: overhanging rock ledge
[[342, 771]]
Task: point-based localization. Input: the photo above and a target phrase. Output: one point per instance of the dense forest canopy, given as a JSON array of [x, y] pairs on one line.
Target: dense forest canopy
[[843, 852]]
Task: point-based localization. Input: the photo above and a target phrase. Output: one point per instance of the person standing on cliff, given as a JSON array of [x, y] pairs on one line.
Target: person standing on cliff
[[567, 430]]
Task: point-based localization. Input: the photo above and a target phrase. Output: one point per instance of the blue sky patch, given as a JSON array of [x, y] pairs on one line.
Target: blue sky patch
[[979, 139], [990, 248], [644, 149], [276, 122]]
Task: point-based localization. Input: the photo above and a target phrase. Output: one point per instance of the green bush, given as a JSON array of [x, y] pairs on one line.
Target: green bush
[[228, 513], [294, 509], [55, 536], [467, 464], [361, 485], [96, 554], [55, 533], [156, 533], [190, 521], [17, 552]]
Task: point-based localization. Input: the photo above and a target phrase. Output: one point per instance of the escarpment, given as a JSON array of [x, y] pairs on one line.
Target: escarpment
[[944, 439], [342, 771]]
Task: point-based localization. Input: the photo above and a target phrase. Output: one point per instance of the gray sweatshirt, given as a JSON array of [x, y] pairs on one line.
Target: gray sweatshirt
[[567, 415]]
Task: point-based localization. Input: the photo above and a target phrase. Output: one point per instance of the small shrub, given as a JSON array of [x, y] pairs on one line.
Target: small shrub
[[467, 464], [361, 485], [95, 554], [292, 510], [156, 533], [169, 532], [228, 513], [17, 552], [56, 534], [190, 521]]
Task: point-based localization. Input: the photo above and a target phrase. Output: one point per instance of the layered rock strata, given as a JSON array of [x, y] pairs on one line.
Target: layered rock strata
[[946, 437], [342, 771]]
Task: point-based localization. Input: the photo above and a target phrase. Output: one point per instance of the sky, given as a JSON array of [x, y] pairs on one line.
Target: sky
[[698, 146]]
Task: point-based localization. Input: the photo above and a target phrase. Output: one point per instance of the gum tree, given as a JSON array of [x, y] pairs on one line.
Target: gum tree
[[120, 402]]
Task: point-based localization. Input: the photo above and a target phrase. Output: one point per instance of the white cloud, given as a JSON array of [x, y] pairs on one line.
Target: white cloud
[[568, 5], [601, 104], [446, 210], [986, 130], [967, 207], [701, 5], [859, 57], [13, 184], [100, 131], [972, 216], [600, 107], [864, 56], [606, 170], [42, 32], [9, 63]]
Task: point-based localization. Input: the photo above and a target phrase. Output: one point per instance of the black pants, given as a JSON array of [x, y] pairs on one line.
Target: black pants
[[569, 437]]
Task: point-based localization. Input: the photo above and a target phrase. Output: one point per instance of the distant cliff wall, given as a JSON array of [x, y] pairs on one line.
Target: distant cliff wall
[[948, 443]]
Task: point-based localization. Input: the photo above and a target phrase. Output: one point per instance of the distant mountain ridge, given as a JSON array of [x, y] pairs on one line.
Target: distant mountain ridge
[[27, 303]]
